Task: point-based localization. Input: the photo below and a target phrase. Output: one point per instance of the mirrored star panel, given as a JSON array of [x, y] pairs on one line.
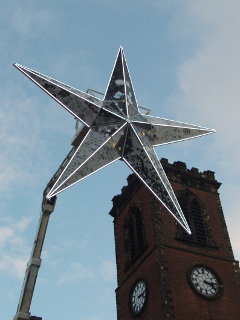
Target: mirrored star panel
[[117, 131]]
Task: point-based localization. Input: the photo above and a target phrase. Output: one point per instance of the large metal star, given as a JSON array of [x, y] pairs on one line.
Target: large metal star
[[114, 129]]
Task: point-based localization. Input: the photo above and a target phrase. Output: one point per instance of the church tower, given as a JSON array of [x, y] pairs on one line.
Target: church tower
[[164, 273]]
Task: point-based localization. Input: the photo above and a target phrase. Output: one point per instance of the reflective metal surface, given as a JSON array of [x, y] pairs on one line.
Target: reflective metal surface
[[117, 130]]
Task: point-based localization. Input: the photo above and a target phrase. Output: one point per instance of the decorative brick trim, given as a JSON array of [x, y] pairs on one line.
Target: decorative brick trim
[[165, 287]]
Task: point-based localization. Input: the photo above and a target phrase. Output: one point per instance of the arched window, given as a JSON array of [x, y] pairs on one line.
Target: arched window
[[134, 234], [183, 204], [193, 212]]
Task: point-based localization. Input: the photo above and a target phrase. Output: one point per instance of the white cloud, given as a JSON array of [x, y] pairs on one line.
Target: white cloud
[[210, 95], [232, 215], [28, 18], [108, 271], [24, 133], [5, 234], [13, 265], [19, 134], [210, 79], [14, 250], [77, 272]]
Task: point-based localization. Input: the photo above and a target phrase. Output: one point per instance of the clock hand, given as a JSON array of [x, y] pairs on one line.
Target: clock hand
[[142, 294], [211, 284]]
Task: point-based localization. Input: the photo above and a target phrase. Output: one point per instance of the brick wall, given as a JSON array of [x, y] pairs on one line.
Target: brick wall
[[166, 259]]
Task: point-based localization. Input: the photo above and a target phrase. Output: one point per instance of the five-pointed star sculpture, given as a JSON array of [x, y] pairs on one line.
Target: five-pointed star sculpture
[[115, 129]]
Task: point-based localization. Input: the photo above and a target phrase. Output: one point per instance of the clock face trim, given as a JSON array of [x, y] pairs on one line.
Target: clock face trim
[[138, 297], [205, 281]]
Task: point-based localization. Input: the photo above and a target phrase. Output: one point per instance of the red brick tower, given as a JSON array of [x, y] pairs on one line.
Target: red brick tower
[[163, 273]]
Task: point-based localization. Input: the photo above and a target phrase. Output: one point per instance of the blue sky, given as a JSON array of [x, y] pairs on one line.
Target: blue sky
[[183, 57]]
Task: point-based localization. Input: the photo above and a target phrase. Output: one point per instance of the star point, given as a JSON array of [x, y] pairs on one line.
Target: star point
[[117, 130]]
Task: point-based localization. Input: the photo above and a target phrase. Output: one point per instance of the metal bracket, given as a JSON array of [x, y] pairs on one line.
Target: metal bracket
[[22, 316], [34, 262]]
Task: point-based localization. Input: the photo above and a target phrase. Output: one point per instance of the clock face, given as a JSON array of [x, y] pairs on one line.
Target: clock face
[[205, 281], [138, 297]]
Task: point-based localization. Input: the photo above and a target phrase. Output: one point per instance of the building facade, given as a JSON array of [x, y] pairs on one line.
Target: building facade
[[164, 273]]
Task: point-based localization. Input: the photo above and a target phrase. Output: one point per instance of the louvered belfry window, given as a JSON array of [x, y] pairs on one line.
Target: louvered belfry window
[[134, 235], [194, 215]]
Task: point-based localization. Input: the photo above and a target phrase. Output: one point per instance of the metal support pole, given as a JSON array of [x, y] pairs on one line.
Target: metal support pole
[[23, 310], [34, 262]]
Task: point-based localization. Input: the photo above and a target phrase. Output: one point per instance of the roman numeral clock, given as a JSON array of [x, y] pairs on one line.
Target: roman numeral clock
[[112, 129]]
